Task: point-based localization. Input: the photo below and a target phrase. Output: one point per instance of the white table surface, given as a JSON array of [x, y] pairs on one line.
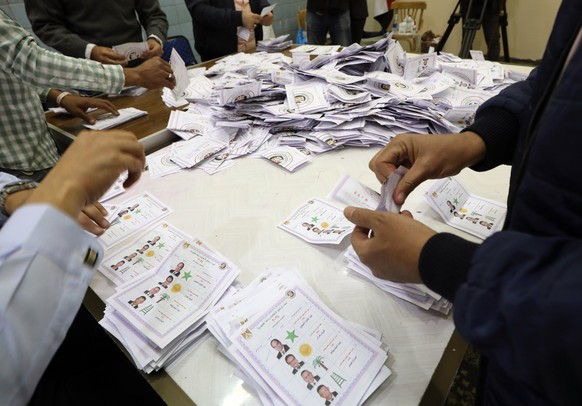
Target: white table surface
[[236, 212]]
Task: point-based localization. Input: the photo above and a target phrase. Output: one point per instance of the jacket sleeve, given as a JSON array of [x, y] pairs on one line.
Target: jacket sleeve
[[498, 122], [206, 15], [42, 283], [47, 18], [526, 290], [152, 18]]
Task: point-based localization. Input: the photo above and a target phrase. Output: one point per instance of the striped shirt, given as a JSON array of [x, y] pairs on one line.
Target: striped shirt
[[27, 73]]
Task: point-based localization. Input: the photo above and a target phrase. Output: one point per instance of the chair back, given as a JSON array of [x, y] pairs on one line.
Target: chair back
[[414, 9], [302, 19], [183, 47]]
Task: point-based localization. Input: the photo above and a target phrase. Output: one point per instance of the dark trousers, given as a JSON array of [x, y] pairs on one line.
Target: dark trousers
[[490, 24], [89, 369]]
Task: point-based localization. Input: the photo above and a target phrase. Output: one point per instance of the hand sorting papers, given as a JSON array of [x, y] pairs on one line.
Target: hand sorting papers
[[107, 121]]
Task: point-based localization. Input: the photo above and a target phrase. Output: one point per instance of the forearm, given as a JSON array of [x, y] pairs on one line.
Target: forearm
[[42, 68], [153, 18], [43, 282]]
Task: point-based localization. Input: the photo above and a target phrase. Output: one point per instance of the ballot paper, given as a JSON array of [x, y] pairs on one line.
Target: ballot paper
[[163, 305], [180, 72], [460, 209], [351, 192], [160, 163], [109, 120], [131, 216], [318, 222], [268, 9], [142, 254], [287, 157], [190, 153], [292, 349], [132, 50], [387, 202]]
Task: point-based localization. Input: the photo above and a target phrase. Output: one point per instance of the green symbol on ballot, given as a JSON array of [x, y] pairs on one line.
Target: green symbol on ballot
[[314, 219], [187, 275], [292, 336], [161, 245]]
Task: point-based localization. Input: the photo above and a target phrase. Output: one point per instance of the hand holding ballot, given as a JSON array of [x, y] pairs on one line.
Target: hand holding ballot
[[428, 156]]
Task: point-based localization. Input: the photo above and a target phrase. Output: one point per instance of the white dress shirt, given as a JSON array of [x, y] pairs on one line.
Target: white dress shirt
[[46, 264]]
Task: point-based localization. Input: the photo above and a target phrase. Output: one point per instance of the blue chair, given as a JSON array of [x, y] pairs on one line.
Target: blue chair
[[183, 47]]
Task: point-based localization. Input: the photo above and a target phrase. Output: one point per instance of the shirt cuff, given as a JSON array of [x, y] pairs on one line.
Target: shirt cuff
[[444, 263], [57, 236], [153, 36], [88, 50]]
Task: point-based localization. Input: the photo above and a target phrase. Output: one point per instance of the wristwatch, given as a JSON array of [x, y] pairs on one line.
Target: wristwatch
[[13, 188]]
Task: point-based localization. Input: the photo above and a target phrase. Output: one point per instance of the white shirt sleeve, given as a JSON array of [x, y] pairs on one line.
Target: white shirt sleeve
[[46, 264]]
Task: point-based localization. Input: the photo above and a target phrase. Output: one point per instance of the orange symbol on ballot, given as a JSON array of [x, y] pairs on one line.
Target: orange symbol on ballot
[[150, 254], [324, 224], [247, 334], [305, 350], [127, 217], [176, 288]]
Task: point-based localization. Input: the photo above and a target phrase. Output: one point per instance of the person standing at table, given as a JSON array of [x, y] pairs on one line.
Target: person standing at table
[[217, 26], [49, 355], [333, 17], [358, 15], [30, 74], [89, 28], [518, 294]]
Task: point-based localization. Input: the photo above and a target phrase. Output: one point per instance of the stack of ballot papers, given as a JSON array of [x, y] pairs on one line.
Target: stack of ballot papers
[[292, 349], [322, 98], [166, 282], [107, 121], [351, 192]]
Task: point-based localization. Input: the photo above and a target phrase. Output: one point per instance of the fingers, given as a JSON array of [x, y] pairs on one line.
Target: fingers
[[92, 218], [362, 217], [408, 183]]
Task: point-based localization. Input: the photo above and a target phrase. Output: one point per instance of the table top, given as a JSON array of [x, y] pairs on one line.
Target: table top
[[236, 212]]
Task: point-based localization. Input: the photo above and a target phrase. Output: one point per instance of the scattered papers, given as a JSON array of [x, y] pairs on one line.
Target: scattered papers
[[107, 121], [460, 209], [318, 222], [294, 350]]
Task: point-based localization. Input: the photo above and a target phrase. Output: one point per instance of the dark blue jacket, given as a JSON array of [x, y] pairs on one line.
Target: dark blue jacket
[[215, 23], [518, 295]]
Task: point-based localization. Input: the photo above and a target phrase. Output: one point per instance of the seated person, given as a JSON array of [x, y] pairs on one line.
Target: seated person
[[216, 25], [88, 29], [27, 72]]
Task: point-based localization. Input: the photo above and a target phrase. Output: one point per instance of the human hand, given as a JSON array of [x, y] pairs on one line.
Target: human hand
[[155, 49], [77, 106], [107, 56], [91, 218], [249, 19], [152, 74], [427, 156], [393, 250], [267, 19], [87, 169]]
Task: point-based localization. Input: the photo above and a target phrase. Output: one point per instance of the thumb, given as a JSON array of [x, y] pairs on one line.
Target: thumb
[[410, 180], [362, 217]]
